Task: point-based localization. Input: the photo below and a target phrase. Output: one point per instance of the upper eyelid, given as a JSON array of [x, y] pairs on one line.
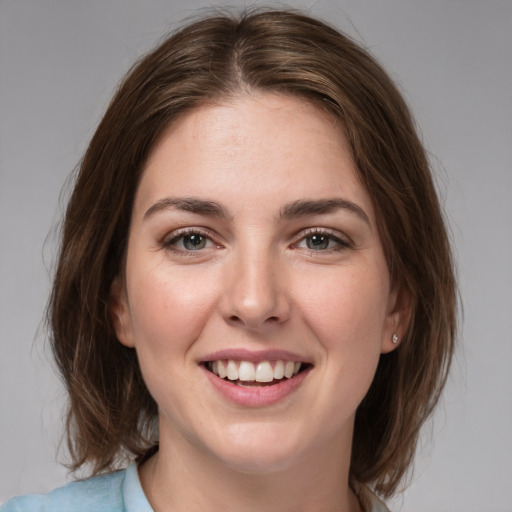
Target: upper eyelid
[[169, 243], [176, 233], [342, 242], [323, 231]]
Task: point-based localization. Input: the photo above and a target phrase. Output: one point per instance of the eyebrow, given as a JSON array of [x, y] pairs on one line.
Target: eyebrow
[[188, 204], [303, 208], [296, 209]]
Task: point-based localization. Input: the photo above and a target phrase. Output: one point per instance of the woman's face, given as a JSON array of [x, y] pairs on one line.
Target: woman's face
[[254, 250]]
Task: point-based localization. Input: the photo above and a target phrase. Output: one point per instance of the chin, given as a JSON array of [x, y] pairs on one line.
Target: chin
[[259, 463], [259, 450]]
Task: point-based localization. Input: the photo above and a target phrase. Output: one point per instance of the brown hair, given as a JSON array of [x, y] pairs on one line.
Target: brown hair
[[111, 413]]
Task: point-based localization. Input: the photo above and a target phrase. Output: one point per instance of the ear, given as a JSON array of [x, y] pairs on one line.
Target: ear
[[398, 318], [120, 313]]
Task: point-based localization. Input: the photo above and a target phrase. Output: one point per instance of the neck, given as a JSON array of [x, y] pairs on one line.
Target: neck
[[182, 477]]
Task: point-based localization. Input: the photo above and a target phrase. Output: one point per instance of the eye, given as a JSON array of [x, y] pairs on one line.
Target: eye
[[318, 242], [321, 241], [188, 241], [193, 242]]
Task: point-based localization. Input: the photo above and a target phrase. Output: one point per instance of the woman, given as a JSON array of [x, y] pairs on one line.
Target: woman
[[254, 305]]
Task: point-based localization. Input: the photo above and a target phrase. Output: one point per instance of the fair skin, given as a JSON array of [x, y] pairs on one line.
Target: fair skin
[[252, 239]]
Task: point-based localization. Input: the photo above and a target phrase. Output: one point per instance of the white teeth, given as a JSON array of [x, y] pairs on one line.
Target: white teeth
[[232, 370], [222, 369], [279, 370], [288, 369], [264, 372], [246, 371]]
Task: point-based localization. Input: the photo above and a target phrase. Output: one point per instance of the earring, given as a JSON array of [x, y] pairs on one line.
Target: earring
[[395, 338]]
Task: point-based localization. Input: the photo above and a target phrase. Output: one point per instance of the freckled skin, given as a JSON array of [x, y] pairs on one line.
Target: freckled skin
[[256, 284]]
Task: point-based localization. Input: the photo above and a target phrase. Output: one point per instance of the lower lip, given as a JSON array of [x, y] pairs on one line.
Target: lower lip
[[258, 396]]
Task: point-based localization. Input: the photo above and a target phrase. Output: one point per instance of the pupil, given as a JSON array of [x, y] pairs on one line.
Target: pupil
[[318, 242], [194, 242]]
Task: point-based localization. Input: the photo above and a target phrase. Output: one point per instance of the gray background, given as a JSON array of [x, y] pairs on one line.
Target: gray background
[[59, 63]]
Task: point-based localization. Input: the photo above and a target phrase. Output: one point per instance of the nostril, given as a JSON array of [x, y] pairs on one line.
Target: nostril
[[237, 319]]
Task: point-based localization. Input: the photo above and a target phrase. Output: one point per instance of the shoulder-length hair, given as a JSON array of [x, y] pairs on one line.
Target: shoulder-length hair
[[111, 413]]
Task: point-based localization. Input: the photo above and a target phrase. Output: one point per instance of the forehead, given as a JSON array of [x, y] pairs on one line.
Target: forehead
[[263, 145]]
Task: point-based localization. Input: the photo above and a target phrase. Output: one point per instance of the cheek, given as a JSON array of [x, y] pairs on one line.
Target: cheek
[[346, 308], [346, 313], [169, 308]]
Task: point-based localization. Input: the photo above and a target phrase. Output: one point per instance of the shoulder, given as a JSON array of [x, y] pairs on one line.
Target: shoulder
[[103, 493]]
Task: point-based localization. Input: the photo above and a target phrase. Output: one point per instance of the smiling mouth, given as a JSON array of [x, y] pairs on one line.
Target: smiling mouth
[[249, 374]]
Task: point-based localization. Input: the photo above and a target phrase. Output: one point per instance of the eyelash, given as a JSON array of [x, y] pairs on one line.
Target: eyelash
[[170, 243], [322, 232]]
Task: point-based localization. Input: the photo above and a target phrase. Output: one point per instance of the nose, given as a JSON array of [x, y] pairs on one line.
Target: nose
[[255, 296]]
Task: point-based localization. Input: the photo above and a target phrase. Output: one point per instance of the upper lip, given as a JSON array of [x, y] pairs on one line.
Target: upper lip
[[254, 356]]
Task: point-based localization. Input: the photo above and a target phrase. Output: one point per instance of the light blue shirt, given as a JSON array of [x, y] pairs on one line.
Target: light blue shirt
[[114, 492], [119, 492]]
